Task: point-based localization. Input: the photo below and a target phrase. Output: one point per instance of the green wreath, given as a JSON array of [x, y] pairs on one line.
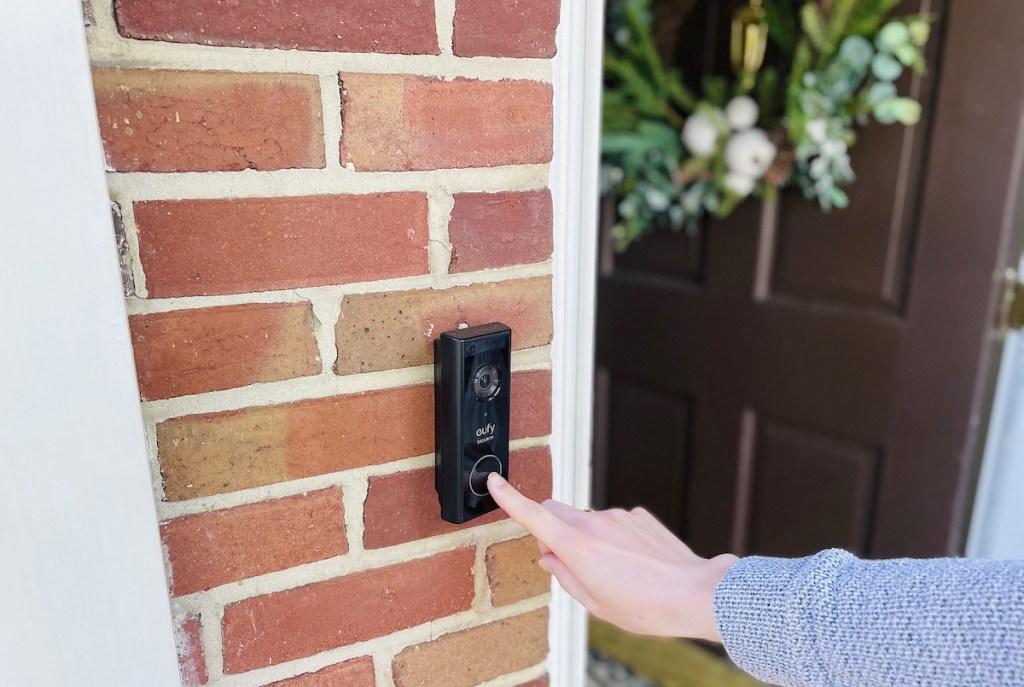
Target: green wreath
[[672, 158]]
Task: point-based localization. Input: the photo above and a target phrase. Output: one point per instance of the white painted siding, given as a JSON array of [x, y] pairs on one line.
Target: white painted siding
[[81, 573]]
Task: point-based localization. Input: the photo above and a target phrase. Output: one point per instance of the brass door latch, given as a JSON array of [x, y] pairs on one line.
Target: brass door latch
[[1010, 313]]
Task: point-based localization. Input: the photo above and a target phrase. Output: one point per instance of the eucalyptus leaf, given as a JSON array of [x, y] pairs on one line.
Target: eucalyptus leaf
[[892, 37], [837, 197], [886, 68], [910, 56], [920, 29], [908, 111], [856, 51], [879, 91], [904, 110]]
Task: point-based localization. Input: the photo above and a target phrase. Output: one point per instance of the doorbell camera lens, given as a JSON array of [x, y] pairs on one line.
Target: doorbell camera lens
[[485, 382]]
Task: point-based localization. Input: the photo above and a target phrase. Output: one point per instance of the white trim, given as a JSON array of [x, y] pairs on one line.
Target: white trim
[[85, 599], [998, 509], [574, 183]]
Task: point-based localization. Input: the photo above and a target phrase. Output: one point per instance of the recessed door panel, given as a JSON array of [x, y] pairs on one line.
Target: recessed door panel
[[648, 450], [809, 491]]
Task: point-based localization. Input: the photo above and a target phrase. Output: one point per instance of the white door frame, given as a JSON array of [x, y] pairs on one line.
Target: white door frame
[[995, 530], [84, 595], [574, 184], [87, 600]]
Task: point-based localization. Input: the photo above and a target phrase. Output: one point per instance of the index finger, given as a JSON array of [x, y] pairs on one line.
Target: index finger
[[547, 527]]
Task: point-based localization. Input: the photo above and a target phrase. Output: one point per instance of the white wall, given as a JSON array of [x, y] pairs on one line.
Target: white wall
[[84, 601]]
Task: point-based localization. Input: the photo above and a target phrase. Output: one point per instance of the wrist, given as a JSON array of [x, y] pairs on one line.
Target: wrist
[[715, 570]]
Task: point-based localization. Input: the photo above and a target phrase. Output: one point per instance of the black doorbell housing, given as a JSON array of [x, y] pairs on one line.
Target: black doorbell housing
[[472, 387]]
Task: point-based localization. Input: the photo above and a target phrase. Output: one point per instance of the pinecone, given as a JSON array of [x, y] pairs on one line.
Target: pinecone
[[785, 159]]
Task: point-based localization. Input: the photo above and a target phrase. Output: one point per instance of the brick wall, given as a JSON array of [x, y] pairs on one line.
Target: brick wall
[[306, 193]]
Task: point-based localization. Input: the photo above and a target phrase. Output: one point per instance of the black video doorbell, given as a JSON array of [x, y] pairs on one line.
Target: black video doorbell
[[472, 385]]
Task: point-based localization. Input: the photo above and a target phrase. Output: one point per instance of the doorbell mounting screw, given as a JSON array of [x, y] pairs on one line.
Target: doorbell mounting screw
[[472, 390]]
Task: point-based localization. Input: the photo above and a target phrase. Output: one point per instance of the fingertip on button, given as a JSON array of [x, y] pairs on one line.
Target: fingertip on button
[[480, 474]]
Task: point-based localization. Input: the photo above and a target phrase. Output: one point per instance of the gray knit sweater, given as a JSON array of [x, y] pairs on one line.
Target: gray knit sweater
[[832, 620]]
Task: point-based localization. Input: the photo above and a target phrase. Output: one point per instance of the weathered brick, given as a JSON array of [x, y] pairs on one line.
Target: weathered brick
[[403, 506], [266, 630], [384, 26], [401, 122], [531, 404], [513, 573], [215, 548], [355, 673], [221, 452], [469, 657], [191, 351], [499, 229], [523, 28], [206, 247], [168, 121], [381, 331], [191, 661]]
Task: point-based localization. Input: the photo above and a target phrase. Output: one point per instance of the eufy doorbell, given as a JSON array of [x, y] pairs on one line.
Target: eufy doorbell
[[471, 416]]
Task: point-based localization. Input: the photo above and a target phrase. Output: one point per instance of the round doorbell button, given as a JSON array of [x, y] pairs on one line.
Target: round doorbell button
[[478, 476]]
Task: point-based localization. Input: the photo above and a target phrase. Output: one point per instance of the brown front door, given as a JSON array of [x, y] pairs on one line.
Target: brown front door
[[791, 380]]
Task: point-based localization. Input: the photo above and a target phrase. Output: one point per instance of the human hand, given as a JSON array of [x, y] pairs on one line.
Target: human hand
[[623, 566]]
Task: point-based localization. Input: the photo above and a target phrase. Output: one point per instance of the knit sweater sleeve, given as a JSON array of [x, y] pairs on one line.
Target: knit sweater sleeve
[[833, 620]]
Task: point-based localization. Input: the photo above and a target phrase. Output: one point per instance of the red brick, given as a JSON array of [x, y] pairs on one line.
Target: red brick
[[224, 546], [500, 229], [221, 452], [191, 351], [286, 625], [355, 673], [531, 404], [513, 573], [505, 28], [539, 682], [383, 26], [469, 657], [403, 507], [191, 661], [166, 121], [206, 247], [381, 331], [400, 122]]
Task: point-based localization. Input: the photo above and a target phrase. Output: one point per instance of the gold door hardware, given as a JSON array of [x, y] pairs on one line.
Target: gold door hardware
[[1011, 304]]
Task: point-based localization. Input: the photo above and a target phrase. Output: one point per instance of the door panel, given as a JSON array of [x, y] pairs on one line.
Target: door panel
[[645, 421], [808, 491], [815, 376]]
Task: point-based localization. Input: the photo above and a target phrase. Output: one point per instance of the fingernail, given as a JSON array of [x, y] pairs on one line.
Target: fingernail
[[495, 479]]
